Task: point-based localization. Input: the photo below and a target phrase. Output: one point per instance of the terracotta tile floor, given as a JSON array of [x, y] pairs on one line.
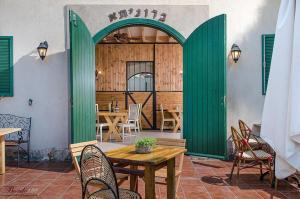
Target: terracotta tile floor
[[200, 179]]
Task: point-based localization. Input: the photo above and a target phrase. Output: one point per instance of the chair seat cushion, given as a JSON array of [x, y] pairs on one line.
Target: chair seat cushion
[[256, 141], [102, 124], [259, 153], [126, 125]]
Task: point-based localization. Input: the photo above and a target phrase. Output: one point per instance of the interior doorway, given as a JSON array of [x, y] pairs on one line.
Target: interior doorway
[[204, 81], [140, 65]]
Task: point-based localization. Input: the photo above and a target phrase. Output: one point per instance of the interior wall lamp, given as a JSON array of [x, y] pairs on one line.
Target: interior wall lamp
[[42, 49], [235, 52], [97, 73]]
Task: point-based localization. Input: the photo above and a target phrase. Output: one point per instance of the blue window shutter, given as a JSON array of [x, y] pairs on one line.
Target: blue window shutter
[[6, 66], [267, 50]]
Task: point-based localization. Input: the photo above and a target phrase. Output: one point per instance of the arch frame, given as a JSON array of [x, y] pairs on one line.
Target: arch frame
[[138, 22]]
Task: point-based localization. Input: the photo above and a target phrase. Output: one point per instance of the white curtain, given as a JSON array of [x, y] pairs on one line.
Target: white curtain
[[281, 114]]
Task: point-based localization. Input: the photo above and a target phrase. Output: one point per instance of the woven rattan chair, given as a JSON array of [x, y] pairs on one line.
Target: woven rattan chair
[[246, 132], [76, 150], [96, 169], [246, 157]]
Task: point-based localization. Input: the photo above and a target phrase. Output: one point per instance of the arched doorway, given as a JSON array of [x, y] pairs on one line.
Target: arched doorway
[[204, 82]]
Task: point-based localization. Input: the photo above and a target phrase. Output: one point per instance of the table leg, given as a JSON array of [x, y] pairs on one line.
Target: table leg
[[133, 180], [115, 131], [149, 182], [171, 193], [110, 128], [2, 154], [177, 121]]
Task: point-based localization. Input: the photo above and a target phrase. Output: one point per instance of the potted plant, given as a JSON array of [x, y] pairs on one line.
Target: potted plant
[[145, 145]]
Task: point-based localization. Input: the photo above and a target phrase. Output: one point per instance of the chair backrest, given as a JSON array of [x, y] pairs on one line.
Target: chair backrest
[[175, 143], [12, 121], [75, 150], [97, 169], [162, 111], [140, 106], [133, 112], [240, 142], [245, 129], [96, 108]]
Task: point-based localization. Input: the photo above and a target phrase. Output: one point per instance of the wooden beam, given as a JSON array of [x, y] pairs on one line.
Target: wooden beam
[[156, 36], [128, 32], [143, 34]]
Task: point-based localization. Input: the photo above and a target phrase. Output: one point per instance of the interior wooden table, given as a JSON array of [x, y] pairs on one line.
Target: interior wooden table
[[161, 156], [113, 118], [176, 115], [3, 132]]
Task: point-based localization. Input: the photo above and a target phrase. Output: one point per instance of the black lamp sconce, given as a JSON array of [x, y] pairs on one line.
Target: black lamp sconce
[[30, 101], [235, 52], [42, 49]]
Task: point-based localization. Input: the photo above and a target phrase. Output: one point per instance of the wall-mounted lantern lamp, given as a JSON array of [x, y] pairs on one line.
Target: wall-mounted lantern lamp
[[42, 49], [97, 73], [235, 52], [180, 73]]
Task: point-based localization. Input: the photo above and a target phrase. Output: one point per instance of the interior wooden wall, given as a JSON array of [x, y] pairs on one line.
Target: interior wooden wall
[[168, 64], [104, 98], [111, 61]]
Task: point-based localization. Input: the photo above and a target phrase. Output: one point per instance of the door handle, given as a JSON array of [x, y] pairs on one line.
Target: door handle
[[224, 101]]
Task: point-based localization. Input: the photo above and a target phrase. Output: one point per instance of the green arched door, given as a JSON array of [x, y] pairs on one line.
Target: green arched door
[[204, 82], [82, 76], [204, 89]]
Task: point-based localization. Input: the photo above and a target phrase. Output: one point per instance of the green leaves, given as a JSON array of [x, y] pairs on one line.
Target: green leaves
[[146, 142]]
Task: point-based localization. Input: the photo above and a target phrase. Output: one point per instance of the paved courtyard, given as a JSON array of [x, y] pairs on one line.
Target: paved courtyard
[[202, 178]]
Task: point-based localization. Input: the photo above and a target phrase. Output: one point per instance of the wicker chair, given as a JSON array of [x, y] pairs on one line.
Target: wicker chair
[[76, 150], [246, 157], [254, 141], [96, 169], [20, 138]]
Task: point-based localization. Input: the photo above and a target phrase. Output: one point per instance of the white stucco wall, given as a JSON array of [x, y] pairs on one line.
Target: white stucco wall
[[31, 22]]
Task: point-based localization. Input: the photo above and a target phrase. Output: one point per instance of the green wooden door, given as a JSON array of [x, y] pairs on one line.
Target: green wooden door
[[82, 70], [204, 89]]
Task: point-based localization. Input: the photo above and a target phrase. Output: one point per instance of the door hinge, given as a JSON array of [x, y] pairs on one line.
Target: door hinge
[[74, 19], [224, 101]]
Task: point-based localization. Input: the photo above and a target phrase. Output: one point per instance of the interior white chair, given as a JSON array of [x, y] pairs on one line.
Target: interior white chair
[[99, 126], [132, 122], [165, 120]]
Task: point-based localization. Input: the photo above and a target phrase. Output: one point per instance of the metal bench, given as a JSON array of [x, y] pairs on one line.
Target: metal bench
[[20, 138]]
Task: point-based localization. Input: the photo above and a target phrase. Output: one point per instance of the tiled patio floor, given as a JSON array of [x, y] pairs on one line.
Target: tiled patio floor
[[201, 179]]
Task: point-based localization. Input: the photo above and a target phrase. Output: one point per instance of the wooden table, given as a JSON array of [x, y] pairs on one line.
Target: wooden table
[[176, 114], [160, 157], [3, 132], [113, 118]]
